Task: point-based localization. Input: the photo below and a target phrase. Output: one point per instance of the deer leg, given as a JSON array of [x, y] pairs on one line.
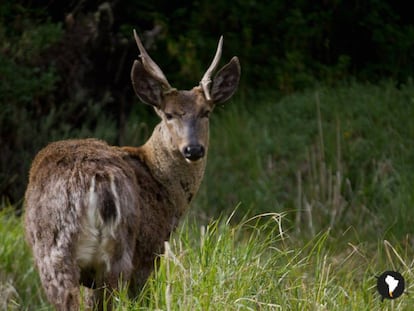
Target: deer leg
[[60, 279], [108, 282], [140, 276]]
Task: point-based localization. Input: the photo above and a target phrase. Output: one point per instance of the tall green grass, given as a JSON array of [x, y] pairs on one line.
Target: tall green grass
[[306, 200], [254, 265], [340, 157], [19, 284]]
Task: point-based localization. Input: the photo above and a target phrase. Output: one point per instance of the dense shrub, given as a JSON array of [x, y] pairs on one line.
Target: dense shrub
[[64, 67]]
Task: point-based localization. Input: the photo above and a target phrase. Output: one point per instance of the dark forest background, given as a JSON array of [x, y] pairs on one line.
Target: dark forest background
[[64, 65]]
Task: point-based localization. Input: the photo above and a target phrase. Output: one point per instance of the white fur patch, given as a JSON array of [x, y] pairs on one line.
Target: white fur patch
[[117, 221], [96, 244]]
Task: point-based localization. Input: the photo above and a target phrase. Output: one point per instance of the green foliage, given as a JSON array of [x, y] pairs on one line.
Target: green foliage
[[71, 61], [19, 283], [343, 152], [23, 82], [30, 115], [328, 166], [252, 265], [291, 45], [323, 189], [223, 258]]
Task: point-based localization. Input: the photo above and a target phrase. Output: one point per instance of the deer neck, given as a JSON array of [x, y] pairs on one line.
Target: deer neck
[[168, 166]]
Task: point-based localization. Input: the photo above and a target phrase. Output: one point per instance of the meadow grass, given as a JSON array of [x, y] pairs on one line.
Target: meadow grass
[[254, 265], [306, 200]]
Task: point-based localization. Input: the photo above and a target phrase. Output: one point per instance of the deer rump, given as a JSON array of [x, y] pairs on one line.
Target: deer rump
[[87, 207]]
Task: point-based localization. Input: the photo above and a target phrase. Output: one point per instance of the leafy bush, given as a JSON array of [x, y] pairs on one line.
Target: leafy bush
[[32, 109], [71, 61]]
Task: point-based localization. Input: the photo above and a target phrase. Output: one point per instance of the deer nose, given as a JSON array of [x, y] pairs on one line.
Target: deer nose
[[194, 152]]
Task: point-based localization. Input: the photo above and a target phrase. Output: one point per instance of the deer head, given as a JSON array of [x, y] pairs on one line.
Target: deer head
[[185, 114]]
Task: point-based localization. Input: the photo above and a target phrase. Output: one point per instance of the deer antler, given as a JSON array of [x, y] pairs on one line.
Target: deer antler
[[206, 80], [150, 66]]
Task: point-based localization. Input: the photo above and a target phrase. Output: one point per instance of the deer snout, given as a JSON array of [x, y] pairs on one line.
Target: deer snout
[[194, 152]]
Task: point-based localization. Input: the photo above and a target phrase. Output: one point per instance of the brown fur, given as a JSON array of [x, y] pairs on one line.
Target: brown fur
[[97, 215]]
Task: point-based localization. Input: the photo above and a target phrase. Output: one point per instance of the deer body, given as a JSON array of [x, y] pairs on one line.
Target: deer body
[[98, 214]]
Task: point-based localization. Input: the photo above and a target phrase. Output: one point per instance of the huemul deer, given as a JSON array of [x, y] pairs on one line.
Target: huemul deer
[[98, 215]]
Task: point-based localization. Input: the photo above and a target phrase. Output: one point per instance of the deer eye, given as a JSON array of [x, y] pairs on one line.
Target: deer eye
[[205, 114], [169, 116]]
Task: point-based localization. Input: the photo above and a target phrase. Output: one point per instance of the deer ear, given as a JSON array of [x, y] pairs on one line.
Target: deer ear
[[226, 81], [148, 89]]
